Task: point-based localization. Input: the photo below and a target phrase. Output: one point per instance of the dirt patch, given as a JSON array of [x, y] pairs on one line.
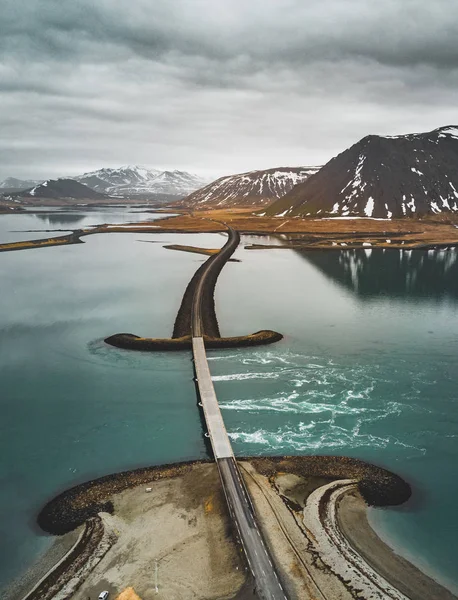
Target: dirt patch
[[295, 489], [379, 487], [176, 537], [74, 506]]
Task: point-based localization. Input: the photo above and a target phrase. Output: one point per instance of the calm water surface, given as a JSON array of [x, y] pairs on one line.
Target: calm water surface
[[367, 368]]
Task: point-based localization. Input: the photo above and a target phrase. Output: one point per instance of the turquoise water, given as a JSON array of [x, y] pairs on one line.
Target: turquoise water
[[367, 368]]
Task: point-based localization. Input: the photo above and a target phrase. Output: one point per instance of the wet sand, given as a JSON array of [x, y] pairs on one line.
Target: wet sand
[[352, 520]]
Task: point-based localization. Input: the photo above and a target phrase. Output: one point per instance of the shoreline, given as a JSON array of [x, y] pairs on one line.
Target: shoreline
[[399, 548], [70, 510], [354, 523], [25, 582], [369, 485], [299, 233]]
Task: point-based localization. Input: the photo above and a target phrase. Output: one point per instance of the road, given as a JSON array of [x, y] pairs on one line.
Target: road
[[268, 586], [214, 263]]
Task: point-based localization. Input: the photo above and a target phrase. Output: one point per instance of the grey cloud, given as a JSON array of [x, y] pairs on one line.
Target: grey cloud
[[408, 33], [212, 84]]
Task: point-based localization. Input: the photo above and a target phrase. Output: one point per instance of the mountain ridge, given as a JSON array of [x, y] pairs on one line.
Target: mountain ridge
[[131, 180], [57, 189], [124, 182], [251, 188], [12, 183], [382, 177]]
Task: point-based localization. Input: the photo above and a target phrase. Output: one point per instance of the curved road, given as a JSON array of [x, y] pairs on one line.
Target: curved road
[[215, 262], [267, 583]]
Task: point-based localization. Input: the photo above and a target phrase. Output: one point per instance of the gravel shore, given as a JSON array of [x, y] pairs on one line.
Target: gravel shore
[[177, 515], [352, 520]]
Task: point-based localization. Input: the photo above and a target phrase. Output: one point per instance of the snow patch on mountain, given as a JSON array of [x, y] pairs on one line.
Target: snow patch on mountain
[[133, 180], [253, 188], [384, 177], [12, 183]]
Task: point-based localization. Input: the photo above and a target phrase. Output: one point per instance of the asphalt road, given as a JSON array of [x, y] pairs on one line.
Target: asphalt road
[[267, 583], [217, 261]]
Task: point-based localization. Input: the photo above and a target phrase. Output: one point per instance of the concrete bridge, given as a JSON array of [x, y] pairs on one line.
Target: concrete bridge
[[267, 583]]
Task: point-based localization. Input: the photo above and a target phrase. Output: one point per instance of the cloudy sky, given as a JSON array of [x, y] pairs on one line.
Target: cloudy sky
[[217, 86]]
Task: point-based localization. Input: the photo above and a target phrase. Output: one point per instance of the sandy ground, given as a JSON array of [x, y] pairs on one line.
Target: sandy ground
[[178, 535], [352, 518], [304, 577], [182, 524], [279, 502]]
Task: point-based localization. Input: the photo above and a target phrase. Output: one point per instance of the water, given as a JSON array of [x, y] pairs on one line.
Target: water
[[71, 407], [367, 368], [36, 223]]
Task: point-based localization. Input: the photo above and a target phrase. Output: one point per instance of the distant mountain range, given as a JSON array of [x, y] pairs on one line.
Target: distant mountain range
[[382, 177], [11, 183], [254, 188], [60, 189], [123, 182], [132, 181]]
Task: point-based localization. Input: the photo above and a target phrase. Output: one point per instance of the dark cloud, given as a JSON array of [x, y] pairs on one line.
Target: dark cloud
[[216, 85]]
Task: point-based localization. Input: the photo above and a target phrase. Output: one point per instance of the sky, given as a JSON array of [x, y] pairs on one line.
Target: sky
[[217, 86]]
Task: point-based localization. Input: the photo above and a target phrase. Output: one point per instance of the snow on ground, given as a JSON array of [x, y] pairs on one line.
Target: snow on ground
[[351, 219], [369, 207]]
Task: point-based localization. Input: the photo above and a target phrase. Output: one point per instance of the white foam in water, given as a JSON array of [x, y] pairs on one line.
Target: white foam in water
[[302, 439], [334, 404], [245, 376]]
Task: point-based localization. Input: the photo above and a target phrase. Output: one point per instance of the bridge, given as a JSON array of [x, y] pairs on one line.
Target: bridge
[[267, 583]]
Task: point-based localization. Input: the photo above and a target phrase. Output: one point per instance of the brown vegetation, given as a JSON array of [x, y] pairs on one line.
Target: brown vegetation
[[438, 229], [193, 249], [64, 240], [303, 233], [197, 250]]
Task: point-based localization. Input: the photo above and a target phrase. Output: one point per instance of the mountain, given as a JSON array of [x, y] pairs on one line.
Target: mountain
[[133, 181], [254, 188], [60, 189], [384, 177], [11, 183]]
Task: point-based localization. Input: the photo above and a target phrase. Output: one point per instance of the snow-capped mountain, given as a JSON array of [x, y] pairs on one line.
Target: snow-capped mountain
[[132, 180], [60, 189], [11, 183], [384, 177], [254, 188]]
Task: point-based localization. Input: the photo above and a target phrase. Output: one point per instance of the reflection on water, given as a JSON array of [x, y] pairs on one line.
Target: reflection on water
[[370, 273], [61, 218]]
